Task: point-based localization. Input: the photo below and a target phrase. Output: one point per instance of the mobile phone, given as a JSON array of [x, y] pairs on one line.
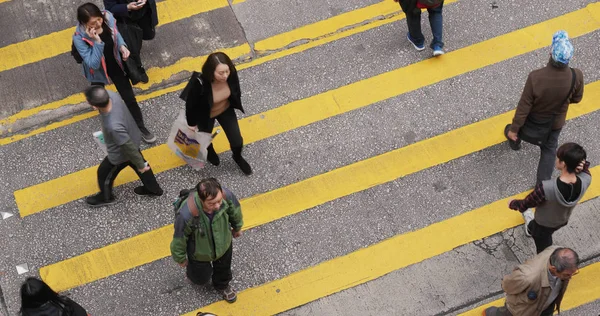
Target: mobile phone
[[139, 3]]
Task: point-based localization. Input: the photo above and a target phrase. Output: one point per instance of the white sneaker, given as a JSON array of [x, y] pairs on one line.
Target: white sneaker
[[528, 217]]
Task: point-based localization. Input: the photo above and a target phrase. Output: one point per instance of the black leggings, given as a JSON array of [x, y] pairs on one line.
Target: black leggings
[[230, 126], [542, 235]]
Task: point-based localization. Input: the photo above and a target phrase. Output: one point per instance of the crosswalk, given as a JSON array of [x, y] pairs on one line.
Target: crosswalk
[[295, 283]]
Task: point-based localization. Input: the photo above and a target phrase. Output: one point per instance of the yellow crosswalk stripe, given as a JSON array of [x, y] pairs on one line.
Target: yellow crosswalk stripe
[[157, 75], [584, 288], [54, 44], [1, 1], [79, 184], [392, 254], [303, 195]]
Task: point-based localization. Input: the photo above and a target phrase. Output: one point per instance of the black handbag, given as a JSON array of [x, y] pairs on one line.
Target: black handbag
[[536, 131]]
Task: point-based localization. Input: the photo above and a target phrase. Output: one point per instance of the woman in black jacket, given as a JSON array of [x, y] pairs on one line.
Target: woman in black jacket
[[38, 299], [213, 95]]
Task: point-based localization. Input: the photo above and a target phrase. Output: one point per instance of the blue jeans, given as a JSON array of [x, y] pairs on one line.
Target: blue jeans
[[413, 19]]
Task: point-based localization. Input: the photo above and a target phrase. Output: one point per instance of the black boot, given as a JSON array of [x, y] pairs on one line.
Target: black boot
[[212, 156], [241, 162]]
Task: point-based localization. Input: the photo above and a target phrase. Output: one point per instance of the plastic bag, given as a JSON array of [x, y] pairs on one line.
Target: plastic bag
[[187, 144]]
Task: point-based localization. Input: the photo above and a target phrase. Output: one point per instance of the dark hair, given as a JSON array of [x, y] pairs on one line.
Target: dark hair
[[35, 293], [564, 259], [572, 155], [208, 188], [97, 96], [557, 64], [212, 61], [89, 10]]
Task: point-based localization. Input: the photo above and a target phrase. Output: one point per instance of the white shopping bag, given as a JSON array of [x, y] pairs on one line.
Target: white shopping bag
[[189, 145], [99, 138]]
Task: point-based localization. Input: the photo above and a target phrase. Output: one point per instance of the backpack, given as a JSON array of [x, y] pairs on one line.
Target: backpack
[[75, 54], [428, 3], [183, 194]]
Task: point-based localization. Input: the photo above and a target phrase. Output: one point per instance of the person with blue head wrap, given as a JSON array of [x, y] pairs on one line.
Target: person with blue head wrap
[[542, 109]]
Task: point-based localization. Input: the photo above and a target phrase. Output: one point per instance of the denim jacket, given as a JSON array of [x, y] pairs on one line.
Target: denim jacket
[[92, 53]]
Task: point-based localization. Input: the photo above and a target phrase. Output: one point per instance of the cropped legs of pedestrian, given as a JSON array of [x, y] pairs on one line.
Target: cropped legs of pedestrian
[[229, 123], [547, 156], [219, 271], [107, 173]]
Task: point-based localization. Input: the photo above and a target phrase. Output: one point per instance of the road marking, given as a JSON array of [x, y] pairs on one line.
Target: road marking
[[79, 184], [2, 1], [583, 289], [392, 254], [313, 31], [264, 208], [54, 44]]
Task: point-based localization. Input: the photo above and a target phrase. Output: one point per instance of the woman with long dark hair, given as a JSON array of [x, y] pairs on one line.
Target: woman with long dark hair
[[37, 299], [103, 51], [213, 95]]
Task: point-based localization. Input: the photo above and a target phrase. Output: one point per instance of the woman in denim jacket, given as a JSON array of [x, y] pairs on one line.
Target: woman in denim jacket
[[103, 51]]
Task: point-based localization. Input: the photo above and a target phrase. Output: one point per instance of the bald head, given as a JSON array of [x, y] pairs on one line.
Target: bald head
[[97, 96], [564, 259]]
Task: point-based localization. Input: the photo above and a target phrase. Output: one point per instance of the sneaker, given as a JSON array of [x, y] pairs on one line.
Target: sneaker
[[141, 190], [437, 51], [513, 145], [147, 136], [229, 294], [244, 165], [528, 217], [417, 47], [98, 200]]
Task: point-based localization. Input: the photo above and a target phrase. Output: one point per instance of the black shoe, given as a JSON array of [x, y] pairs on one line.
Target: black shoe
[[212, 156], [98, 200], [145, 78], [141, 190], [514, 145], [243, 164]]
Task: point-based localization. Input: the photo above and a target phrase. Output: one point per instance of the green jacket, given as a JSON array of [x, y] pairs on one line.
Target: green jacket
[[206, 242]]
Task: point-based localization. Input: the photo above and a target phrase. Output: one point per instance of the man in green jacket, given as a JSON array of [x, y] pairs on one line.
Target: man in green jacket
[[205, 224]]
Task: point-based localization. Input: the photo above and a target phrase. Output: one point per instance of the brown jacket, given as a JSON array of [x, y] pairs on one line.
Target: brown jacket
[[528, 277], [544, 90]]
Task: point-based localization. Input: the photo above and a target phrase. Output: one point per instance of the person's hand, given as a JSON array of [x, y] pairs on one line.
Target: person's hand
[[236, 234], [183, 264], [512, 136], [580, 166], [193, 128], [146, 168], [133, 6], [91, 32], [124, 52]]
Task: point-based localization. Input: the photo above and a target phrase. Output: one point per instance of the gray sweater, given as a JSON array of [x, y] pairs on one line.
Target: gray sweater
[[555, 211]]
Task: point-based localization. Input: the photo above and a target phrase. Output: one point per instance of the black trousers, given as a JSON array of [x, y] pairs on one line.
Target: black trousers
[[230, 126], [542, 235], [107, 173], [123, 85], [199, 272]]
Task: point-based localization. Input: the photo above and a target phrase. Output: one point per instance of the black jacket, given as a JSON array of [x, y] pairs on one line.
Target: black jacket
[[119, 9], [199, 98], [54, 309]]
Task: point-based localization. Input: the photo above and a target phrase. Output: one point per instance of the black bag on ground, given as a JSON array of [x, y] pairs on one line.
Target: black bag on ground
[[535, 130]]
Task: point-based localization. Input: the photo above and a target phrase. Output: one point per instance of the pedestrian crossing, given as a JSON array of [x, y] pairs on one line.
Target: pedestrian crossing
[[358, 267], [334, 102]]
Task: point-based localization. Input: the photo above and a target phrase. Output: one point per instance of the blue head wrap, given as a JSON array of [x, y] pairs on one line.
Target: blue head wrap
[[562, 50]]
